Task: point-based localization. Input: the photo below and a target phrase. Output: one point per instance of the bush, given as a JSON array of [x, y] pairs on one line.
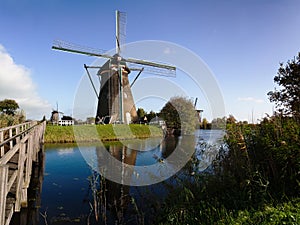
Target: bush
[[10, 120]]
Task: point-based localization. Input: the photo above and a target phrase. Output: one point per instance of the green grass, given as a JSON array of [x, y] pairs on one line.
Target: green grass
[[205, 213], [283, 213], [92, 133]]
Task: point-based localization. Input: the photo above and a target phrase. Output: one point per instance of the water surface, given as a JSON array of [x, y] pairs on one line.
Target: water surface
[[74, 192]]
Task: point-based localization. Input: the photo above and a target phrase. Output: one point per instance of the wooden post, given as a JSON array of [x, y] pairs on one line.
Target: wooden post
[[37, 143], [3, 191], [17, 132], [44, 130], [2, 147], [29, 159], [10, 135], [20, 177]]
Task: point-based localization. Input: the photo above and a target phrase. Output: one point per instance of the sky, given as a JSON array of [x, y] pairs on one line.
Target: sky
[[240, 42]]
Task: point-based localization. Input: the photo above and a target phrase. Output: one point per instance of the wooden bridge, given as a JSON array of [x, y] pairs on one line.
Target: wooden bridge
[[19, 148]]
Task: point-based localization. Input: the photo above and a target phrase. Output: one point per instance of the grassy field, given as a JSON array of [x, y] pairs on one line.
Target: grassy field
[[92, 133]]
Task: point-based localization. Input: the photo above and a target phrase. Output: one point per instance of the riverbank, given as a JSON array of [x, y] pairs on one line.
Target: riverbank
[[92, 133], [255, 179]]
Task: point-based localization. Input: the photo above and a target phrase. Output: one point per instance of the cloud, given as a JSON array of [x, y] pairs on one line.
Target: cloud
[[250, 99], [16, 83]]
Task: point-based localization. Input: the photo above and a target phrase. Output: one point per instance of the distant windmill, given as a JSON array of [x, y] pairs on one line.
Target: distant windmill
[[115, 100], [198, 111], [55, 115]]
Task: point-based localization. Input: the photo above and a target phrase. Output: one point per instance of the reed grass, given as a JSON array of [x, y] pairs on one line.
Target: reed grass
[[255, 181]]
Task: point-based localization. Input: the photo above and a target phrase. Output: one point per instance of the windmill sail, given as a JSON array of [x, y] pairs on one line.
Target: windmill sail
[[157, 68], [78, 49], [120, 31]]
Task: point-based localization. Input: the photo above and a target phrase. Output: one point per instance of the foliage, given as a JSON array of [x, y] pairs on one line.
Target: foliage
[[204, 124], [8, 106], [151, 115], [256, 179], [141, 112], [230, 119], [10, 120], [179, 113], [90, 120], [218, 123], [273, 151], [287, 98]]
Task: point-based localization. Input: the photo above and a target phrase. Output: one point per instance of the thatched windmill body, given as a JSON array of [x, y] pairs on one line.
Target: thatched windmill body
[[115, 100]]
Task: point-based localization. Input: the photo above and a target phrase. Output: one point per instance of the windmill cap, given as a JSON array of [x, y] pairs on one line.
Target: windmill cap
[[115, 60]]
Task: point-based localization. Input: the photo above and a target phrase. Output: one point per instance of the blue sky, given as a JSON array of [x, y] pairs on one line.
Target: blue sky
[[242, 42]]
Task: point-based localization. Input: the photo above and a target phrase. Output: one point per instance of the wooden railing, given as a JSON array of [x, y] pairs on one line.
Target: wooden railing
[[19, 148]]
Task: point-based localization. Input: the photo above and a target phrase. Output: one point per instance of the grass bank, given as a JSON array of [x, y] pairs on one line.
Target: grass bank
[[92, 133]]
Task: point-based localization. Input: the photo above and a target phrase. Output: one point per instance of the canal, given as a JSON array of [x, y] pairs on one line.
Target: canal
[[71, 190]]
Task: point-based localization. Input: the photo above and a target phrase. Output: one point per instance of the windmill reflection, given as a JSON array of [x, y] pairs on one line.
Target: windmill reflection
[[115, 203], [112, 200]]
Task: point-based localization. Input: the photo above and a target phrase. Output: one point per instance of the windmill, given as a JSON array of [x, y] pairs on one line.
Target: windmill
[[115, 100], [55, 115], [198, 111]]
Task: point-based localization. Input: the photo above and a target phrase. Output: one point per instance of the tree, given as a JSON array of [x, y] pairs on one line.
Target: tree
[[90, 120], [204, 123], [151, 115], [219, 123], [230, 119], [287, 98], [179, 113], [8, 106], [141, 112]]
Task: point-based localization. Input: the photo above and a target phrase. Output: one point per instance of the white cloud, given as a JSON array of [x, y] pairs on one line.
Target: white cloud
[[16, 83], [250, 99]]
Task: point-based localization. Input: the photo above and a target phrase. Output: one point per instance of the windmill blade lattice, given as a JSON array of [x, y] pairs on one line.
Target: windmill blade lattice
[[79, 49], [120, 31]]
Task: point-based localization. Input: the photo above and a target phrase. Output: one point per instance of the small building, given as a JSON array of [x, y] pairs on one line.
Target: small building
[[143, 120], [158, 121], [66, 122]]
